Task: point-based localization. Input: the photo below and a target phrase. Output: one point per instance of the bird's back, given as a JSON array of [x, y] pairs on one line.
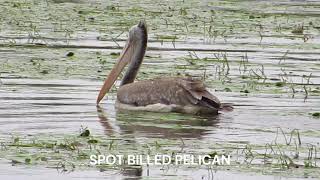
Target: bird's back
[[179, 93]]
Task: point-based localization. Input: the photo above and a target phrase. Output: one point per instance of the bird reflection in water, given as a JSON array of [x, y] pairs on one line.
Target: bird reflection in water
[[164, 125], [154, 125]]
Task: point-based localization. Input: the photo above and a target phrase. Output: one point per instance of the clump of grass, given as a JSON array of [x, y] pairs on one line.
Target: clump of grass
[[69, 54], [316, 114], [183, 11], [245, 91], [251, 17], [227, 90], [280, 84], [84, 132], [27, 160], [212, 155], [92, 141], [298, 29], [44, 72], [114, 53]]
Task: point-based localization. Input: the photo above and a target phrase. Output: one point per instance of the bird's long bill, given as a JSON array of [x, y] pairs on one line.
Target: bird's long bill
[[123, 60]]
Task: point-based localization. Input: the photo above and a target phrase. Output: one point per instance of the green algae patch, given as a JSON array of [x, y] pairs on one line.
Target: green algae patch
[[316, 114], [72, 152], [241, 52]]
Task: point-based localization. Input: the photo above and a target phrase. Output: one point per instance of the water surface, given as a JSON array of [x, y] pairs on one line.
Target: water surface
[[252, 56]]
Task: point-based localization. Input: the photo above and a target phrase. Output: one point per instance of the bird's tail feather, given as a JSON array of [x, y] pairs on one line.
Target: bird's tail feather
[[226, 107]]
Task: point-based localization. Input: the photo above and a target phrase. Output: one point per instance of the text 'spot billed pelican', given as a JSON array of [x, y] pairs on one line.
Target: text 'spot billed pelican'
[[171, 94]]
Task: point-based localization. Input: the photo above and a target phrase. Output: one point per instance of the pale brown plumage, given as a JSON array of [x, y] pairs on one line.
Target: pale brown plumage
[[180, 92]]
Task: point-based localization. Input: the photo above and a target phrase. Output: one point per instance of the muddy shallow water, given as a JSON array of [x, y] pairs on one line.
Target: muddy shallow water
[[256, 58]]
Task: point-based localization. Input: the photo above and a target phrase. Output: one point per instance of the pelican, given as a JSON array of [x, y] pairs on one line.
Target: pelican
[[172, 94]]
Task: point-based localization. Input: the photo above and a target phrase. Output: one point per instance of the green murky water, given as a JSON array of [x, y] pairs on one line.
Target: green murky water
[[261, 56]]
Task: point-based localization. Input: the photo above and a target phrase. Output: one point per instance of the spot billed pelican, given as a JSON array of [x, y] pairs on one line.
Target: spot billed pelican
[[166, 94]]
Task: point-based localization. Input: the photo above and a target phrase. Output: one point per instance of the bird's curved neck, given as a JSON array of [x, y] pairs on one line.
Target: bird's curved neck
[[136, 60]]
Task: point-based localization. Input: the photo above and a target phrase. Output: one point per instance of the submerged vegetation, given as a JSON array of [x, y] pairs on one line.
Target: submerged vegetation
[[34, 25], [316, 114], [287, 152], [263, 58]]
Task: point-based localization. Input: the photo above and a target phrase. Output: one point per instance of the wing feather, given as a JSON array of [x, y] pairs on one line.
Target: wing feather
[[179, 91], [198, 91]]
